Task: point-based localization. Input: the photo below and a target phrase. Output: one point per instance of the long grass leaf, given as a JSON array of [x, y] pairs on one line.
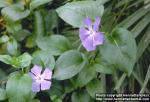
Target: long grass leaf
[[133, 18], [144, 42], [141, 25], [146, 80]]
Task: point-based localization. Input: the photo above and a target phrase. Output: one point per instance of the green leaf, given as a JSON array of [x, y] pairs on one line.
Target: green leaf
[[2, 94], [94, 87], [18, 88], [69, 64], [36, 100], [12, 47], [4, 39], [55, 98], [85, 76], [143, 44], [4, 3], [13, 27], [147, 78], [39, 24], [30, 42], [81, 96], [44, 59], [75, 12], [55, 44], [15, 12], [24, 60], [102, 69], [57, 89], [119, 50], [120, 81], [5, 59], [21, 34], [141, 25], [51, 21], [69, 86], [36, 3], [130, 20], [17, 62]]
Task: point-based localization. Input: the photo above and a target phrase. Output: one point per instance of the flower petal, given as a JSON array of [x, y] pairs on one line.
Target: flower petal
[[36, 70], [88, 22], [35, 87], [32, 76], [47, 74], [88, 44], [98, 39], [96, 24], [45, 85], [83, 33]]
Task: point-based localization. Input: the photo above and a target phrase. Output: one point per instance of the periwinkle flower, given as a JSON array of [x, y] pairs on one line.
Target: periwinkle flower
[[90, 35], [41, 81]]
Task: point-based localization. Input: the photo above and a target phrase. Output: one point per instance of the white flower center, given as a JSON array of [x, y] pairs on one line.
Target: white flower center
[[91, 32], [39, 78]]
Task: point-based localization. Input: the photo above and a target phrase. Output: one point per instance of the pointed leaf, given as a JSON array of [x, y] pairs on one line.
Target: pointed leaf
[[18, 88], [75, 12], [123, 50], [69, 64]]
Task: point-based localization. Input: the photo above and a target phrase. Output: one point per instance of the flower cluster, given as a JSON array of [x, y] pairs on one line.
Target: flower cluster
[[90, 37]]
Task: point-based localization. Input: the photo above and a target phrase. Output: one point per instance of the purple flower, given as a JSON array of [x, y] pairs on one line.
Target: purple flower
[[90, 35], [41, 81]]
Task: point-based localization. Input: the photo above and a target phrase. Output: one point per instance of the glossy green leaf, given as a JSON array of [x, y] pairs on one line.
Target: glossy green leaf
[[13, 27], [123, 50], [5, 59], [4, 39], [21, 34], [70, 86], [103, 69], [2, 94], [86, 75], [39, 24], [4, 3], [57, 89], [81, 96], [51, 21], [15, 12], [75, 12], [44, 59], [18, 88], [24, 60], [54, 98], [17, 62], [94, 87], [12, 47], [69, 64], [55, 44], [36, 3], [30, 43]]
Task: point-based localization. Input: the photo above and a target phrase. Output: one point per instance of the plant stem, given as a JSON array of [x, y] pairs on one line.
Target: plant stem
[[78, 49], [119, 83]]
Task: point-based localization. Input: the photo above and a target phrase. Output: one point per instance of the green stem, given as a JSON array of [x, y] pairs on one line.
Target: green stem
[[121, 80], [103, 80], [78, 49]]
